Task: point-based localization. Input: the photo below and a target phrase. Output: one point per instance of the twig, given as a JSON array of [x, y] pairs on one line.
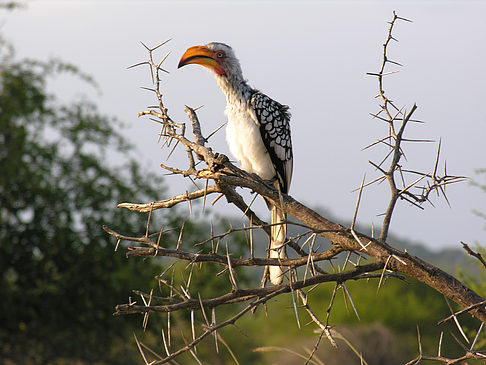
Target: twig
[[477, 255]]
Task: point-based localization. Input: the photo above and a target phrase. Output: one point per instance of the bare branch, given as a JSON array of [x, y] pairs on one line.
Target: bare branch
[[240, 295], [474, 254], [382, 262], [169, 203]]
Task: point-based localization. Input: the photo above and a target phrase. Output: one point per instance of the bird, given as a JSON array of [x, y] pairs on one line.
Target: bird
[[257, 133]]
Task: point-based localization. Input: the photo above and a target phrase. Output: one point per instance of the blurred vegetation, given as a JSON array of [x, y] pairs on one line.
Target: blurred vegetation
[[59, 276]]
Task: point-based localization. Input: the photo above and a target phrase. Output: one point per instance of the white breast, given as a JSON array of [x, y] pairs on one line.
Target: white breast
[[245, 142]]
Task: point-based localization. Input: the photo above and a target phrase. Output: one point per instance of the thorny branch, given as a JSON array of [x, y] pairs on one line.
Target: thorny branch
[[397, 119], [382, 260], [241, 295], [469, 352]]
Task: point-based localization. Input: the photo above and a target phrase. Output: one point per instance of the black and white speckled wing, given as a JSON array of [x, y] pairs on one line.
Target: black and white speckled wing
[[274, 122]]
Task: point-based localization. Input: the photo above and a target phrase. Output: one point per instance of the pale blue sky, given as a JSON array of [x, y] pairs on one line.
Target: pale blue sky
[[312, 56]]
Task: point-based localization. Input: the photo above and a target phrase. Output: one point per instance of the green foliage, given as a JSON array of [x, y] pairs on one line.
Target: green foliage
[[10, 5], [399, 307], [59, 275]]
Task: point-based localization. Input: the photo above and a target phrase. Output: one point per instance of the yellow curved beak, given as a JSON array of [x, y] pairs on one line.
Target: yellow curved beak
[[201, 55]]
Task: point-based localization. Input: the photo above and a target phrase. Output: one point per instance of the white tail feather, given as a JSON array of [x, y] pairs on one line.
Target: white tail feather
[[277, 244]]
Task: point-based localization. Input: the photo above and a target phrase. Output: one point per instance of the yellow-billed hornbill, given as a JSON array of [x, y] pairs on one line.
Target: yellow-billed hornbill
[[258, 132]]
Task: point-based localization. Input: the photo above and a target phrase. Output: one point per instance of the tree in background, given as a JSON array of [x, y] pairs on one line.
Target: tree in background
[[59, 278]]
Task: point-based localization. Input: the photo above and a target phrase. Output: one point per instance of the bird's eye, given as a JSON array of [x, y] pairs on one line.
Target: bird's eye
[[220, 54]]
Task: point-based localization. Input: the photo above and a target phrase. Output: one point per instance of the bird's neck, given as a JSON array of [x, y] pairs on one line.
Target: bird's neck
[[234, 88]]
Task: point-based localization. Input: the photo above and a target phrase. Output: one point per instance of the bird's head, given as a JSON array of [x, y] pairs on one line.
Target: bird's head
[[218, 57]]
